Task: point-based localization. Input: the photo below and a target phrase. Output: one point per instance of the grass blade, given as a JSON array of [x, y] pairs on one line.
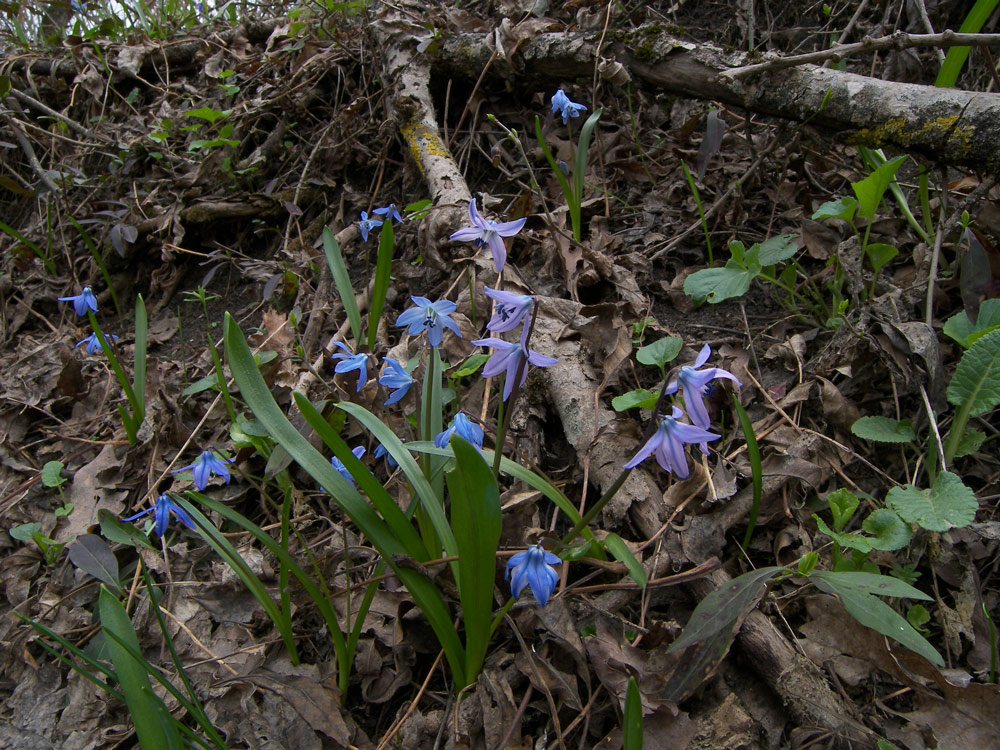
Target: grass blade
[[342, 280], [757, 475], [383, 269]]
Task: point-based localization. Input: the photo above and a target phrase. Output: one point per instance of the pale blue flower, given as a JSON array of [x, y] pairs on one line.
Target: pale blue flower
[[695, 385], [668, 444], [465, 427], [507, 358], [358, 452], [509, 309], [93, 343], [389, 212], [350, 362], [533, 568], [561, 105], [366, 225], [485, 233], [432, 317], [382, 452], [205, 466], [161, 514], [82, 302], [397, 378]]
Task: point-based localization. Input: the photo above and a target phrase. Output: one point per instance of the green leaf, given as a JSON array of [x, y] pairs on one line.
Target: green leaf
[[949, 504], [884, 430], [92, 555], [715, 285], [623, 554], [874, 613], [970, 442], [472, 364], [852, 540], [724, 607], [977, 378], [52, 474], [342, 280], [207, 113], [870, 190], [842, 504], [660, 352], [779, 248], [956, 56], [202, 384], [839, 209], [640, 397], [756, 472], [888, 530], [871, 583], [383, 269], [476, 521], [139, 360], [879, 254], [632, 719], [121, 533], [25, 532], [965, 332]]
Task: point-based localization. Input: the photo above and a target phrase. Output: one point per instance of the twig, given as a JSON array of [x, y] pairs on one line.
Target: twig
[[45, 109], [29, 153], [898, 40]]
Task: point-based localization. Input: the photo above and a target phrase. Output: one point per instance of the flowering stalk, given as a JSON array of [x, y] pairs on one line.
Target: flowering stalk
[[135, 395], [508, 407]]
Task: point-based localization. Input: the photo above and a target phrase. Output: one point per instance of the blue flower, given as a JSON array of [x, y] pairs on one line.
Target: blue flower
[[533, 568], [484, 233], [695, 385], [205, 466], [161, 513], [429, 316], [382, 452], [464, 427], [93, 343], [358, 452], [668, 443], [562, 105], [366, 225], [82, 302], [390, 212], [349, 362], [509, 309], [508, 358], [395, 378]]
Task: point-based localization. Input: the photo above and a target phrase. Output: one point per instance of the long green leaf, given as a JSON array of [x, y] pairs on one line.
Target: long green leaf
[[580, 168], [153, 725], [42, 256], [475, 514], [342, 280], [383, 269], [632, 719], [99, 260], [756, 473], [621, 552], [956, 56], [574, 207], [139, 366]]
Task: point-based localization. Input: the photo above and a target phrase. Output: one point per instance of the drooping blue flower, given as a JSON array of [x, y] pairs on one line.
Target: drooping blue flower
[[93, 343], [396, 377], [350, 362], [205, 466], [561, 105], [485, 233], [695, 385], [161, 514], [533, 568], [509, 309], [668, 444], [382, 452], [82, 302], [507, 358], [432, 317], [358, 452], [366, 225], [390, 212], [465, 427]]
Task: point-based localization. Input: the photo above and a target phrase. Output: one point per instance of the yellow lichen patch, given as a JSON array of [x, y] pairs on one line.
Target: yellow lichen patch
[[900, 132], [423, 141]]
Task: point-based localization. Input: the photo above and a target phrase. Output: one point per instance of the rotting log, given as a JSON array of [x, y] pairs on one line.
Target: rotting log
[[950, 125]]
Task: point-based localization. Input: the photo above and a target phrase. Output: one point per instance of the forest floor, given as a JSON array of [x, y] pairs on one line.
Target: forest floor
[[197, 165]]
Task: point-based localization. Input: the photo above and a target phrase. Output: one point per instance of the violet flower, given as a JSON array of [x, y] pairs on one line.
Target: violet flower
[[465, 427], [668, 444], [350, 362], [533, 568], [484, 233], [205, 466], [358, 452], [509, 309], [82, 302], [94, 344], [389, 212], [164, 507], [432, 317], [507, 358], [563, 106], [366, 225], [395, 378], [695, 385]]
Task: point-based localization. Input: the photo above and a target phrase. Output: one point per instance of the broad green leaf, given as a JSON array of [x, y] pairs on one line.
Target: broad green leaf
[[472, 364], [342, 280], [25, 532], [977, 378], [874, 613], [777, 249], [92, 555], [724, 607], [715, 285], [52, 474], [851, 540], [888, 530], [970, 442], [839, 209], [207, 113], [621, 552], [965, 332], [884, 430], [949, 504], [202, 384], [640, 397], [870, 190], [871, 583], [879, 254], [632, 718], [121, 533], [660, 352], [842, 504]]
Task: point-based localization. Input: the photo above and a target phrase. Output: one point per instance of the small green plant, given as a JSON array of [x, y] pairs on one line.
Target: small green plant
[[50, 548]]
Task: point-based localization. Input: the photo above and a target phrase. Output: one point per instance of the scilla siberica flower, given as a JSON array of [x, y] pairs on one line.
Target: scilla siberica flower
[[82, 302], [532, 568], [396, 378], [507, 358], [464, 427], [432, 317], [694, 384], [161, 513], [205, 466], [366, 225], [668, 444], [485, 233], [94, 344], [358, 452], [509, 309], [561, 105], [382, 452], [349, 362], [389, 212]]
